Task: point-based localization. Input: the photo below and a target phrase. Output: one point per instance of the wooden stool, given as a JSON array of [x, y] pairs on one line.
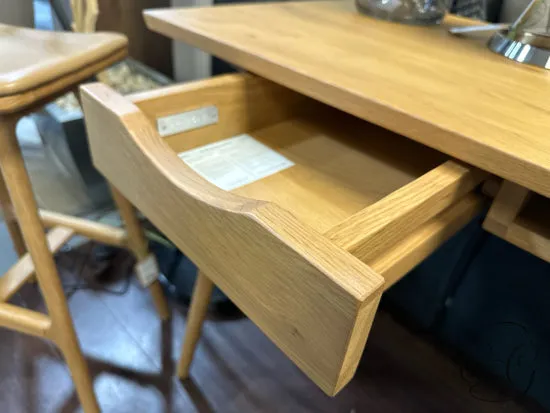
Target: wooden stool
[[37, 67]]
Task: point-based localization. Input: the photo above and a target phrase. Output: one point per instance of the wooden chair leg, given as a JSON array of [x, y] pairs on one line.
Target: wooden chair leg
[[13, 227], [195, 319], [139, 246], [26, 211], [12, 224]]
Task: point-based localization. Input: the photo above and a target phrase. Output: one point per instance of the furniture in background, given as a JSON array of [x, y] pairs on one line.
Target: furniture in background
[[125, 17], [145, 46], [191, 63], [59, 151], [39, 66], [17, 13]]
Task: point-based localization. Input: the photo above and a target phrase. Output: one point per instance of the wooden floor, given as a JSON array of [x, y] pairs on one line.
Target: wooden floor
[[237, 369]]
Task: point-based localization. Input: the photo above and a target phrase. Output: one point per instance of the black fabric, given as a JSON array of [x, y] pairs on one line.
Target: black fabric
[[470, 8], [478, 9]]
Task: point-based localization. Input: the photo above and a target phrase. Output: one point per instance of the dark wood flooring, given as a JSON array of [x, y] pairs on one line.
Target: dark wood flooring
[[237, 369]]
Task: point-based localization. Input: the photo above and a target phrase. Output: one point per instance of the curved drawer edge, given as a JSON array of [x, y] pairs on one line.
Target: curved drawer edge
[[313, 299]]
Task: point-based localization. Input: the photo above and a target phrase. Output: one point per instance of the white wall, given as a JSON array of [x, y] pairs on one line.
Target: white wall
[[17, 12], [511, 9], [190, 63]]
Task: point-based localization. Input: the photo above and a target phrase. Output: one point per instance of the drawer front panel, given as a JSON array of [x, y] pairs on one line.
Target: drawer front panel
[[277, 246]]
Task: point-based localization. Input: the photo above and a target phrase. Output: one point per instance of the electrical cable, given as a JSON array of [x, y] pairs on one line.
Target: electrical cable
[[83, 261]]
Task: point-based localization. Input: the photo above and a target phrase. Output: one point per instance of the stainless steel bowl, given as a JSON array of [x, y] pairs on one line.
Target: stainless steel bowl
[[529, 47], [420, 12]]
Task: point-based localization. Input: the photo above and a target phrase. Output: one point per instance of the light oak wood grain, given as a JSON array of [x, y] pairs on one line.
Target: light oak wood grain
[[342, 164], [8, 126], [521, 218], [27, 101], [446, 92], [334, 176], [24, 320], [13, 279], [61, 330], [36, 67], [196, 315], [262, 243], [106, 234], [531, 230], [137, 243], [507, 205], [244, 102], [306, 294], [32, 58], [373, 230], [413, 249]]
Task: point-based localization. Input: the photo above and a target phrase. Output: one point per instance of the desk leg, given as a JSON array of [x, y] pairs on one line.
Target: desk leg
[[195, 318], [138, 245]]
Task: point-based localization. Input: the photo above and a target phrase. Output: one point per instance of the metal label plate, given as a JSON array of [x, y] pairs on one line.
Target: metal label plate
[[186, 121]]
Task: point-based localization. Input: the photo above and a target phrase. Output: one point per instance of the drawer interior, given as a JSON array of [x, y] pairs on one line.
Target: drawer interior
[[365, 206], [341, 164]]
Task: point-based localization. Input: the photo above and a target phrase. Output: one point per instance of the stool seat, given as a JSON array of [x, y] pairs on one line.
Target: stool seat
[[31, 58]]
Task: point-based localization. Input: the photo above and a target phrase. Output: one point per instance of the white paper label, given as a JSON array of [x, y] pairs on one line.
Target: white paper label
[[147, 270], [235, 162], [185, 121]]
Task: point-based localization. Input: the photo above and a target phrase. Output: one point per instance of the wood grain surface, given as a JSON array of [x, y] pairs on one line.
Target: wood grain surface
[[446, 92], [375, 229], [31, 58], [244, 103], [58, 327], [521, 218], [25, 102], [262, 243], [13, 279], [311, 298]]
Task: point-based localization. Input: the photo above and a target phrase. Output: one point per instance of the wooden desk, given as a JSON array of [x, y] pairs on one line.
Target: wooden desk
[[307, 252], [449, 93]]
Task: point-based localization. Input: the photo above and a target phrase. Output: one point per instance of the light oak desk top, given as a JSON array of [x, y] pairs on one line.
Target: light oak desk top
[[449, 93]]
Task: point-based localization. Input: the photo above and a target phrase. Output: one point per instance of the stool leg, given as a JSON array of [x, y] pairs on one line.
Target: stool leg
[[139, 246], [5, 202], [13, 226], [11, 222], [26, 210], [195, 319]]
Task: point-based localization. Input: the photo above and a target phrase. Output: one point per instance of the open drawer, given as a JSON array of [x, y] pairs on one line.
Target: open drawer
[[305, 252], [521, 217]]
